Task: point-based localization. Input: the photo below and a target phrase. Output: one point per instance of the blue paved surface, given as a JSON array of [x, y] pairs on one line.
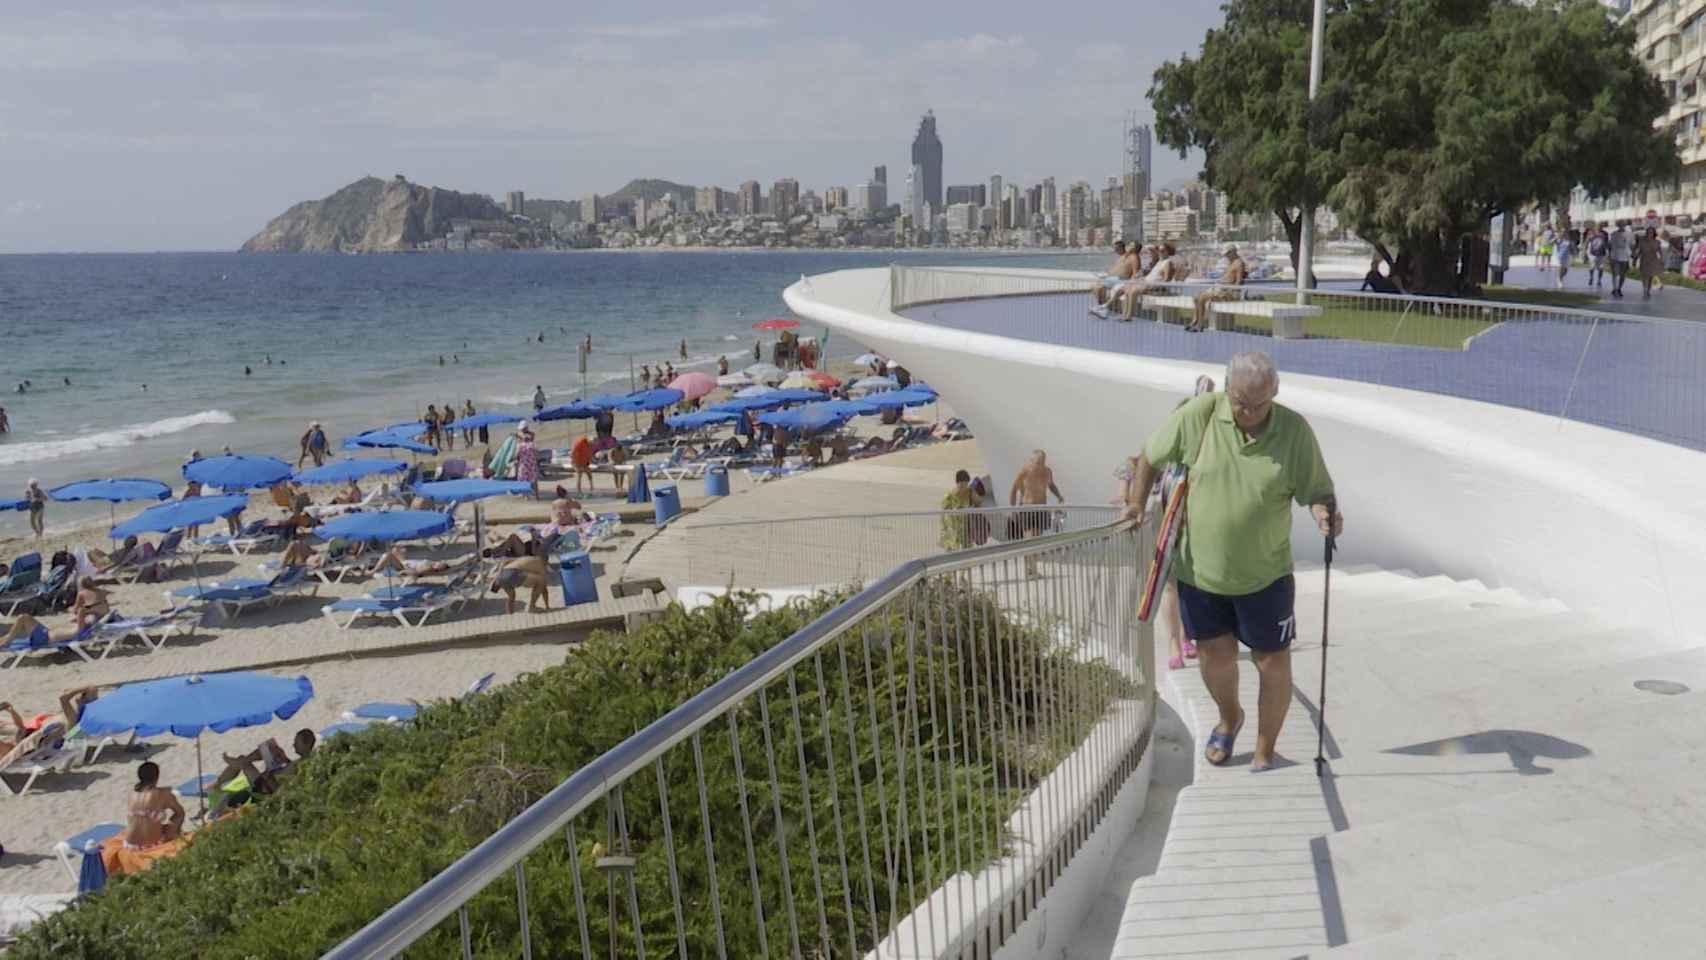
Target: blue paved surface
[[1637, 377]]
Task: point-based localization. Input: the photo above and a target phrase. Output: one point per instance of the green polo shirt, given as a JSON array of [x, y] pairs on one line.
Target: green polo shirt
[[1237, 536]]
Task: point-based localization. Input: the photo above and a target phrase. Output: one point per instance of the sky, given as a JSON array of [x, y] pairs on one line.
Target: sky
[[186, 126]]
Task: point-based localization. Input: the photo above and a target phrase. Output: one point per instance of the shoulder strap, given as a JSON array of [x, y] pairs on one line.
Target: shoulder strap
[[1203, 438]]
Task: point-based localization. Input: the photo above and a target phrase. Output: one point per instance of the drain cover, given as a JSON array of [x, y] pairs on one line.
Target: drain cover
[[1669, 688]]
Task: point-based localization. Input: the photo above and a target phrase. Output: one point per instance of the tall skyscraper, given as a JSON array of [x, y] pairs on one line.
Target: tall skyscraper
[[1139, 178], [517, 202], [590, 208], [640, 211], [1049, 206], [711, 200], [749, 199], [966, 193], [995, 197], [834, 198], [916, 206], [927, 157], [881, 174], [784, 198]]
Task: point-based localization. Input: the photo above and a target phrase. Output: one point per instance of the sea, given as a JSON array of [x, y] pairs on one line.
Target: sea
[[134, 360]]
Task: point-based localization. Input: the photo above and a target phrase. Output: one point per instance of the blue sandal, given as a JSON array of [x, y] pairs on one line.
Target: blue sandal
[[1223, 741]]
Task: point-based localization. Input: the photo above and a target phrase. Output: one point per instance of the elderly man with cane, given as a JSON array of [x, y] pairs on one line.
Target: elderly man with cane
[[1248, 459]]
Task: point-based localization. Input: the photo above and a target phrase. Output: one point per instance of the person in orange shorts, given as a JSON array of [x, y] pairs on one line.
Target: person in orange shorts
[[580, 456]]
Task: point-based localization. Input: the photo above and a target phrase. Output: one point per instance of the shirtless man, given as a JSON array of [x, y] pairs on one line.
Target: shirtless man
[[261, 767], [1032, 485], [529, 572], [154, 815], [1122, 269], [1235, 275]]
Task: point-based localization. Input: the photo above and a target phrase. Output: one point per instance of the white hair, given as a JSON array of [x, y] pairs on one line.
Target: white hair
[[1253, 368]]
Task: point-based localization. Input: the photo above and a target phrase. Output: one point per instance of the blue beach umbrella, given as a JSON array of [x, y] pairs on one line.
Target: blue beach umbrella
[[479, 420], [875, 383], [385, 527], [853, 408], [741, 405], [893, 399], [702, 418], [179, 514], [92, 876], [187, 705], [112, 491], [807, 419], [236, 472], [604, 401], [471, 488], [577, 410], [13, 505], [344, 471], [799, 395], [756, 390], [655, 399], [396, 437]]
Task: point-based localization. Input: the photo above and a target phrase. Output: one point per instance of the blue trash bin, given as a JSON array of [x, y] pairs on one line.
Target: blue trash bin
[[666, 503], [717, 482], [578, 583]]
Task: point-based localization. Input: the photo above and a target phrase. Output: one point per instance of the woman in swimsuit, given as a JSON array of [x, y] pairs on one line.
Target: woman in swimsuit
[[154, 816]]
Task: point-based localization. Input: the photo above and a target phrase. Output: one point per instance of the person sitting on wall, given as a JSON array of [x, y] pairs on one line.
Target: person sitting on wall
[[1376, 281], [1234, 277]]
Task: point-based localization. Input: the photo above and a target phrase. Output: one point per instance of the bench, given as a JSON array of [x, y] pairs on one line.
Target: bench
[[1287, 318], [1161, 305]]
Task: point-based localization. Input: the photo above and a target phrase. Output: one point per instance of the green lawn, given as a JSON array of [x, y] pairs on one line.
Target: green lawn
[[1414, 328], [1539, 298]]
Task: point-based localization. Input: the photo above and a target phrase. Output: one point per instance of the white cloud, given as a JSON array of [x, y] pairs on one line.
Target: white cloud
[[683, 27]]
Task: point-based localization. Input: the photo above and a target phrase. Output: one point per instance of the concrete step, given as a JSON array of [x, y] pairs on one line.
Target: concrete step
[[1641, 912], [1421, 869]]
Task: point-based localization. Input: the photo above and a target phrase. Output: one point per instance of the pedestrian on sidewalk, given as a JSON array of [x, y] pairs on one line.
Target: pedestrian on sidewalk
[[1622, 251], [1598, 248], [1562, 249], [1249, 458], [1650, 260]]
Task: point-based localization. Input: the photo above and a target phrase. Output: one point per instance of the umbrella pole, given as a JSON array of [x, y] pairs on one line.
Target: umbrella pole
[[199, 776]]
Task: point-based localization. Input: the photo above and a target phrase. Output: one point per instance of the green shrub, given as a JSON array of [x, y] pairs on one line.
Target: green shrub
[[370, 817]]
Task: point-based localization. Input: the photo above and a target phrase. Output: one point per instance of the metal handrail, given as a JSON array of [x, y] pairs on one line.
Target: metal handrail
[[899, 515], [433, 902], [1065, 276]]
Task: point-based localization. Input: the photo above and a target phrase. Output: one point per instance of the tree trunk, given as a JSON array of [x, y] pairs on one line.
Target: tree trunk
[[1431, 268], [1294, 236]]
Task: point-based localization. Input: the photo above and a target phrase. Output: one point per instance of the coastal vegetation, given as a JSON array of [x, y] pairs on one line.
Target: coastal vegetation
[[371, 816], [1433, 116]]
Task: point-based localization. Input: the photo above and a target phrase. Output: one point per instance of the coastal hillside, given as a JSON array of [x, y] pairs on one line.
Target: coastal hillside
[[371, 215], [656, 189]]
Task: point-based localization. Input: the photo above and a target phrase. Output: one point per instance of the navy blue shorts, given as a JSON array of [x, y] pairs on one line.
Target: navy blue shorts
[[1264, 621]]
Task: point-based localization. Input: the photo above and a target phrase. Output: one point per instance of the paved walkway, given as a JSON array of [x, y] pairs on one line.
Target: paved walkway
[[1677, 303]]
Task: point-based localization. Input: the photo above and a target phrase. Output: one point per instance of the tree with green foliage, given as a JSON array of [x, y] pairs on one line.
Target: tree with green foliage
[[1433, 116]]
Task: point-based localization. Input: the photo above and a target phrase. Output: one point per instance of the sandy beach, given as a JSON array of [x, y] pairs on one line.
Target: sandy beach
[[379, 662]]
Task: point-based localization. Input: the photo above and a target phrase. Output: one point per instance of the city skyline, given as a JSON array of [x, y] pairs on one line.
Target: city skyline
[[133, 128]]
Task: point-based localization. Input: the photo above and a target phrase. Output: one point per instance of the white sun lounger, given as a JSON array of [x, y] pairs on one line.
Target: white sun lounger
[[39, 753]]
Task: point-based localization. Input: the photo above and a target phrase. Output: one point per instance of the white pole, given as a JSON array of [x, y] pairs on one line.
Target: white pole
[[1306, 248]]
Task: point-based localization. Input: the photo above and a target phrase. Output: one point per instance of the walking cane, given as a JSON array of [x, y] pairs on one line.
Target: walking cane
[[1321, 714]]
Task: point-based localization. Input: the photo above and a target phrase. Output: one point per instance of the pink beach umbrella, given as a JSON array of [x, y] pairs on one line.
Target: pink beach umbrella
[[694, 385]]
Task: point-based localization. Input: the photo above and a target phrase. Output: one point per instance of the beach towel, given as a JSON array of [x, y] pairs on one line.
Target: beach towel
[[121, 860], [501, 459]]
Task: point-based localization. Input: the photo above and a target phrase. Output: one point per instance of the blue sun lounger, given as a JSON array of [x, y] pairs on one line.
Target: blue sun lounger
[[404, 712], [232, 597]]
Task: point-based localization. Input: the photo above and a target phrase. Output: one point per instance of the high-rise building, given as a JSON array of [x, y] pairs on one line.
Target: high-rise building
[[711, 200], [834, 198], [963, 219], [1073, 215], [1668, 37], [1126, 223], [1049, 202], [1139, 176], [995, 198], [927, 160], [749, 199], [966, 193], [1008, 212], [591, 208], [917, 207], [517, 203], [640, 211], [881, 174], [784, 198], [869, 199]]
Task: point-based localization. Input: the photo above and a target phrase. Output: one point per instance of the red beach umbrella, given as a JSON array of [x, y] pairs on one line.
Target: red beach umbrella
[[776, 323], [822, 379]]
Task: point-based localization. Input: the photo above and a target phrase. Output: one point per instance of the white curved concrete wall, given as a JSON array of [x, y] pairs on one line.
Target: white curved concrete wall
[[1607, 522]]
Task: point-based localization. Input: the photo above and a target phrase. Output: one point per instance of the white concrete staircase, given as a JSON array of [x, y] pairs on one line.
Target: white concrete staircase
[[1501, 787]]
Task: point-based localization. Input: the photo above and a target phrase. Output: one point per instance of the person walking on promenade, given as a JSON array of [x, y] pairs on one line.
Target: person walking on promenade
[[313, 445], [1597, 246], [1247, 456], [1622, 252], [1650, 260], [1563, 249], [1031, 486], [956, 530]]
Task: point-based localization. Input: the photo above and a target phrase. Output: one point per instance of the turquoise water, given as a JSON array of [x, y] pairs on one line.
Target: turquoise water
[[355, 342]]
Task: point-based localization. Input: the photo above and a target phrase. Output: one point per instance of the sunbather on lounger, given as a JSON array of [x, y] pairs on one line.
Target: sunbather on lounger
[[71, 704], [350, 495], [154, 815], [529, 572], [393, 561], [131, 553], [91, 605], [263, 766]]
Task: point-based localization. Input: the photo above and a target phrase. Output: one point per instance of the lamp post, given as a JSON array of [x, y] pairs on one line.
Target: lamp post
[[1306, 246]]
